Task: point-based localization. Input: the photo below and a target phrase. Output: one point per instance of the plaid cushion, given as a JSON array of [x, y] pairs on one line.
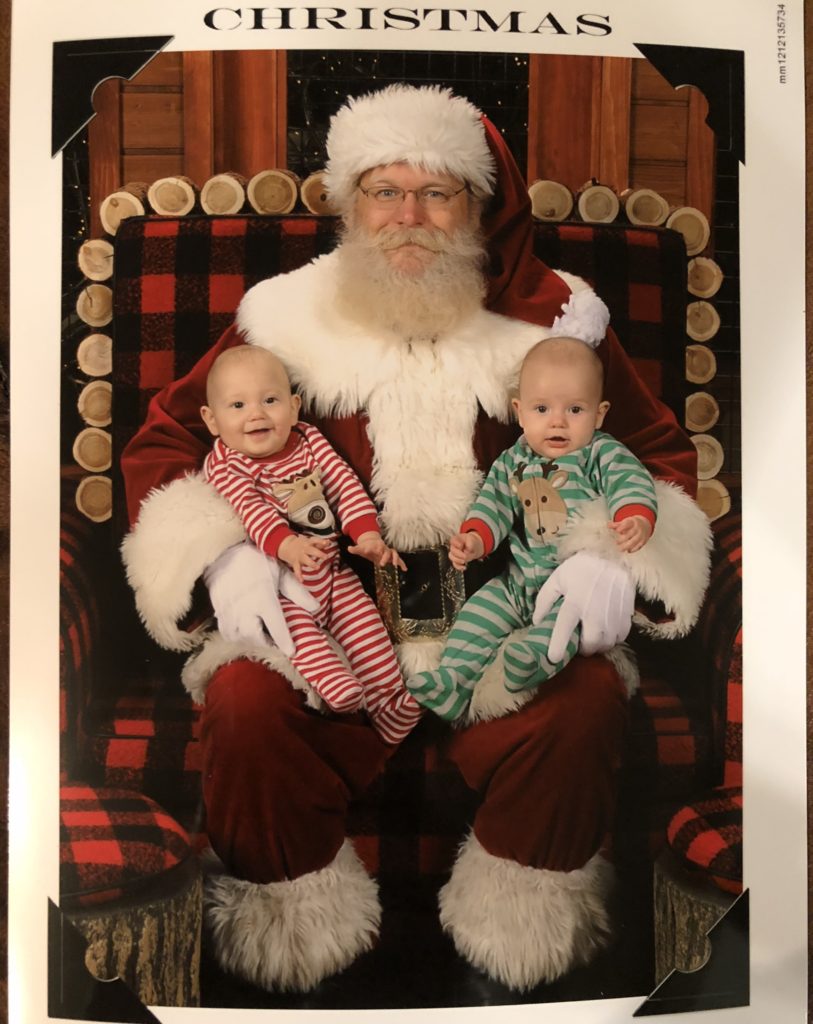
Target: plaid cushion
[[112, 842], [706, 836]]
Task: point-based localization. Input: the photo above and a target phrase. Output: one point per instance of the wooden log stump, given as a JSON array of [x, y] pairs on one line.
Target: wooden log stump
[[705, 277], [314, 195], [95, 355], [643, 206], [597, 204], [550, 200], [710, 455], [92, 449], [702, 411], [95, 259], [702, 320], [94, 497], [152, 944], [173, 197], [686, 909], [95, 403], [224, 194], [713, 498], [273, 191], [128, 201], [95, 305], [701, 364], [693, 225]]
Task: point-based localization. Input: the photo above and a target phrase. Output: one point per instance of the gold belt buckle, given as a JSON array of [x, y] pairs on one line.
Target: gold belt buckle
[[444, 581]]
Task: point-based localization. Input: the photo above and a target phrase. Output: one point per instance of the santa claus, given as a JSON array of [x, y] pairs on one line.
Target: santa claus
[[404, 344]]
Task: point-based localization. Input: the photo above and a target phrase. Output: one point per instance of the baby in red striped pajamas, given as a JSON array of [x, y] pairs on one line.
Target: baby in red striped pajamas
[[289, 488]]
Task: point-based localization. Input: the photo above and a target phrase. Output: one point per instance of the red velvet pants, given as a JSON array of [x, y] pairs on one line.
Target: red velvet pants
[[277, 776]]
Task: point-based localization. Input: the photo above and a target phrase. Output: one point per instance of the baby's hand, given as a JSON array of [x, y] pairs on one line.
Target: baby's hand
[[371, 546], [465, 548], [632, 533], [303, 552]]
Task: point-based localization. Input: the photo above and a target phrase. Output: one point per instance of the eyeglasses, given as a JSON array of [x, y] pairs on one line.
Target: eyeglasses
[[430, 196]]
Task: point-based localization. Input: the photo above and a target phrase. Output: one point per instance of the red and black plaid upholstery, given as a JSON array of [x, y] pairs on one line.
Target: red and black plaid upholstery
[[720, 634], [177, 284], [411, 820], [79, 623], [147, 740], [113, 842], [706, 837]]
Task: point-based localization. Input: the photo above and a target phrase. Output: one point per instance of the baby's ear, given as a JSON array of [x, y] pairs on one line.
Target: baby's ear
[[208, 418], [603, 409]]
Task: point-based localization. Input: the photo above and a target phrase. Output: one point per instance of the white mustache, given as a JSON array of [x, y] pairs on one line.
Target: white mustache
[[394, 239]]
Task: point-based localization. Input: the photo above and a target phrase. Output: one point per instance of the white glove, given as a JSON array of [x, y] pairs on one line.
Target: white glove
[[597, 593], [244, 588]]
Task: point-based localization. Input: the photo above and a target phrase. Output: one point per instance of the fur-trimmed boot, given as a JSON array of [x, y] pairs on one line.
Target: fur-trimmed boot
[[523, 925], [288, 936]]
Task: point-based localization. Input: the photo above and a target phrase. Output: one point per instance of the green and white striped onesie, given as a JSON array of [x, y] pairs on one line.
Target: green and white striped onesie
[[528, 498]]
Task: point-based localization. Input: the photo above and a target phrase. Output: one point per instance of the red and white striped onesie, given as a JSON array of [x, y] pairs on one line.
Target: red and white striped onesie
[[307, 483]]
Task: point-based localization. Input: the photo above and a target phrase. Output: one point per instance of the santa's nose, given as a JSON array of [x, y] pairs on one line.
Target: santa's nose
[[410, 211]]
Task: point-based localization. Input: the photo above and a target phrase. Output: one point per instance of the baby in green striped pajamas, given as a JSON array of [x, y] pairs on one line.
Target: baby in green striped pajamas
[[561, 460]]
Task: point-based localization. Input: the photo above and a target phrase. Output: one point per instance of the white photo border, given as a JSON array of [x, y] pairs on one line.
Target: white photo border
[[772, 248]]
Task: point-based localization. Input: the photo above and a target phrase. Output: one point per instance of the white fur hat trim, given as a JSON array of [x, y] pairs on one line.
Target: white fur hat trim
[[425, 126]]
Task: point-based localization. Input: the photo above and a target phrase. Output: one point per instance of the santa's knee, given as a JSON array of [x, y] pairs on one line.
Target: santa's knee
[[290, 902]]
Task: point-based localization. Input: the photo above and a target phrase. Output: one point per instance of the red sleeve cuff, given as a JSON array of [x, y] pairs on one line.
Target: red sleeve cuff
[[275, 538], [364, 524], [635, 510], [479, 527]]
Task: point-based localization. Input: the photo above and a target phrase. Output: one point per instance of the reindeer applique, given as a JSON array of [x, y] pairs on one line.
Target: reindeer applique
[[306, 507], [544, 509]]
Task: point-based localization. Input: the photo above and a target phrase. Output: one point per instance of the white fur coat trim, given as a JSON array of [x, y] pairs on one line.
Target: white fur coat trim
[[182, 527], [421, 398], [217, 652], [672, 567], [524, 925], [288, 936]]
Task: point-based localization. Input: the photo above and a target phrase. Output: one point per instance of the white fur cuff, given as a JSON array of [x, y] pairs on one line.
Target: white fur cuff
[[672, 567], [288, 936], [217, 652], [524, 925], [181, 529]]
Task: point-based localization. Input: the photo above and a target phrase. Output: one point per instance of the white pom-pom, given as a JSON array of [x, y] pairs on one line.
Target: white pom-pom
[[584, 316]]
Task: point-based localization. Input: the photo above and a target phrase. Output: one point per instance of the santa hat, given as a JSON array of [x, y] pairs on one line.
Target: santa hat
[[425, 126]]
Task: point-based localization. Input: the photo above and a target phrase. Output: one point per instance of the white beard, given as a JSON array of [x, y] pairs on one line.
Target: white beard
[[377, 295]]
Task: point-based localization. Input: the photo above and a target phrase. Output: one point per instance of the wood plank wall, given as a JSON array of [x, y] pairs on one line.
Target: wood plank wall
[[194, 114], [613, 119], [620, 122]]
